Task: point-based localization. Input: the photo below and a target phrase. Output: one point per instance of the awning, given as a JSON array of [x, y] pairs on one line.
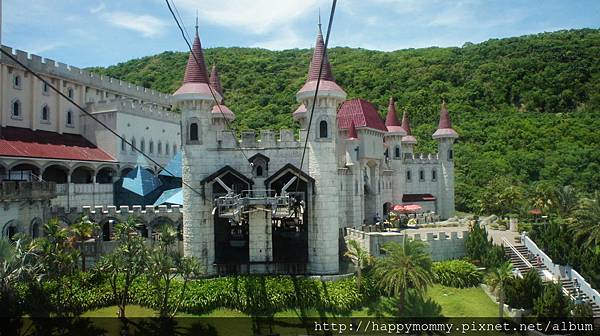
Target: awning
[[407, 198], [171, 196], [24, 142]]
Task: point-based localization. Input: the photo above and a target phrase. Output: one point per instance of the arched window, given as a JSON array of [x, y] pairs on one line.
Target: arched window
[[45, 113], [259, 171], [434, 175], [70, 92], [397, 152], [167, 148], [123, 144], [450, 154], [159, 148], [323, 129], [69, 118], [421, 175], [17, 81], [151, 147], [193, 132], [45, 88], [132, 144], [35, 230], [142, 145], [408, 176], [16, 109]]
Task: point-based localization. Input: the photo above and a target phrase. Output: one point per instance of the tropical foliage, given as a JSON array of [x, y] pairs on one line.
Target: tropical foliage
[[456, 273], [553, 303], [498, 279], [521, 292]]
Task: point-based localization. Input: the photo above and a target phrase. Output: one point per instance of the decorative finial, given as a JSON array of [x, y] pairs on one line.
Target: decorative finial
[[196, 22], [319, 20]]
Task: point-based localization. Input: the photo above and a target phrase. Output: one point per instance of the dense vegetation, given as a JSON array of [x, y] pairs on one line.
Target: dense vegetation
[[526, 107]]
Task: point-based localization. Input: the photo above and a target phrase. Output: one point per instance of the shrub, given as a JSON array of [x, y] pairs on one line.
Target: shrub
[[521, 292], [456, 273]]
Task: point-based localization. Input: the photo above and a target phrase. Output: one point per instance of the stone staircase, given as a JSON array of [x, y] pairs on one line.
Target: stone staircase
[[518, 257]]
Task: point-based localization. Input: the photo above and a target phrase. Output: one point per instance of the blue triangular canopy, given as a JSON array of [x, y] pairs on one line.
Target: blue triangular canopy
[[173, 168], [141, 181], [171, 196]]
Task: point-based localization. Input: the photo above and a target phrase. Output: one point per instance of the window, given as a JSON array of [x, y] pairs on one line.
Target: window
[[70, 118], [151, 147], [142, 146], [16, 109], [123, 144], [193, 132], [450, 154], [408, 177], [167, 148], [174, 149], [45, 113], [397, 152], [323, 129], [421, 175], [259, 171], [357, 150], [434, 175], [159, 148], [17, 82], [70, 92], [132, 144], [45, 88]]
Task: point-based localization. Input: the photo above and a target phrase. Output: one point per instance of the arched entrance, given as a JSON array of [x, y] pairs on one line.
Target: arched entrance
[[82, 175], [56, 173], [105, 175], [36, 225], [24, 172]]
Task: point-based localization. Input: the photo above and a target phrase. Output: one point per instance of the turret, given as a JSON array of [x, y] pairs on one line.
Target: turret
[[445, 136], [408, 141], [323, 233], [395, 132], [219, 112]]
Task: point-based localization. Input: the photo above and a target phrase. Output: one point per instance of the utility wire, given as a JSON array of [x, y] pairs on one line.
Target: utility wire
[[181, 20], [14, 59], [218, 104]]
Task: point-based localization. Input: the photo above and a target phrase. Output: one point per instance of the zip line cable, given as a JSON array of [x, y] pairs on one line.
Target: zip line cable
[[14, 59], [200, 66]]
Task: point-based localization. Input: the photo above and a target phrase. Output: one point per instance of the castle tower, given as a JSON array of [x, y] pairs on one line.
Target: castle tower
[[196, 101], [445, 136], [323, 141], [408, 141], [220, 113], [393, 140]]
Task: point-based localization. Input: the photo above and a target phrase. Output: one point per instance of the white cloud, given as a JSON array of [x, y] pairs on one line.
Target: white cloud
[[101, 6], [147, 25], [257, 16], [39, 48], [285, 39]]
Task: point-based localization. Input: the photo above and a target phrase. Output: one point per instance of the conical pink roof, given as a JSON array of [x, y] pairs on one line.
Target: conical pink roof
[[406, 123], [215, 82], [352, 134], [195, 71], [445, 126], [392, 119]]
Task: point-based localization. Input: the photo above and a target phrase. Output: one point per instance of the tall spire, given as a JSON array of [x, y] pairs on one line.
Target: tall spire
[[215, 82], [444, 126], [320, 54], [391, 118], [195, 71]]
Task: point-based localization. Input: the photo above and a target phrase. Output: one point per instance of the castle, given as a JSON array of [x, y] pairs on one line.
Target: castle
[[356, 167]]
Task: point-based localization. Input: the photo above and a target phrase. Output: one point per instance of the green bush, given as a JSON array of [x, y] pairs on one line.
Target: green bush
[[456, 273], [521, 292]]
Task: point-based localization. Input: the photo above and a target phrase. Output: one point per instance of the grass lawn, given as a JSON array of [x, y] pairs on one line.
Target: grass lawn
[[463, 302]]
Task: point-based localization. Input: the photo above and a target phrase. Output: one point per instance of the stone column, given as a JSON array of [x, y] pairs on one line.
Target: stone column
[[260, 241]]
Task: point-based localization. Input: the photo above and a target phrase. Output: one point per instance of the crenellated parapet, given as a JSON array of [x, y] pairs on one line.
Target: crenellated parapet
[[100, 214], [146, 110], [249, 139], [49, 67], [425, 158]]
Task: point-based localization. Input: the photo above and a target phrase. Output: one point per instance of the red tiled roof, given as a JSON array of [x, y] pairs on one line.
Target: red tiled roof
[[320, 54], [23, 142], [215, 82], [418, 198], [361, 112], [391, 118], [195, 71], [352, 132], [227, 113], [300, 112]]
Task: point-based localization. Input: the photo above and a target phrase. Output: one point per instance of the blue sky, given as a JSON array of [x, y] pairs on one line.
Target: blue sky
[[104, 32]]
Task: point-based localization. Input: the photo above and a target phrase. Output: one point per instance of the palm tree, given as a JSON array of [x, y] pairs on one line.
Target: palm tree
[[81, 231], [497, 280], [404, 268], [566, 201], [586, 224], [360, 258]]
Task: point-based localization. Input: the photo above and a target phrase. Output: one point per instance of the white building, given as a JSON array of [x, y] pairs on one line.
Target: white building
[[356, 167]]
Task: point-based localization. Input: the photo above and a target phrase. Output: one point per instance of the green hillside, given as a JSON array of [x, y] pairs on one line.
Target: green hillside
[[527, 108]]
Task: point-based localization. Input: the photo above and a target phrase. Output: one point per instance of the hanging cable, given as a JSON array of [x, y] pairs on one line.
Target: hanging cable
[[212, 92], [14, 59]]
